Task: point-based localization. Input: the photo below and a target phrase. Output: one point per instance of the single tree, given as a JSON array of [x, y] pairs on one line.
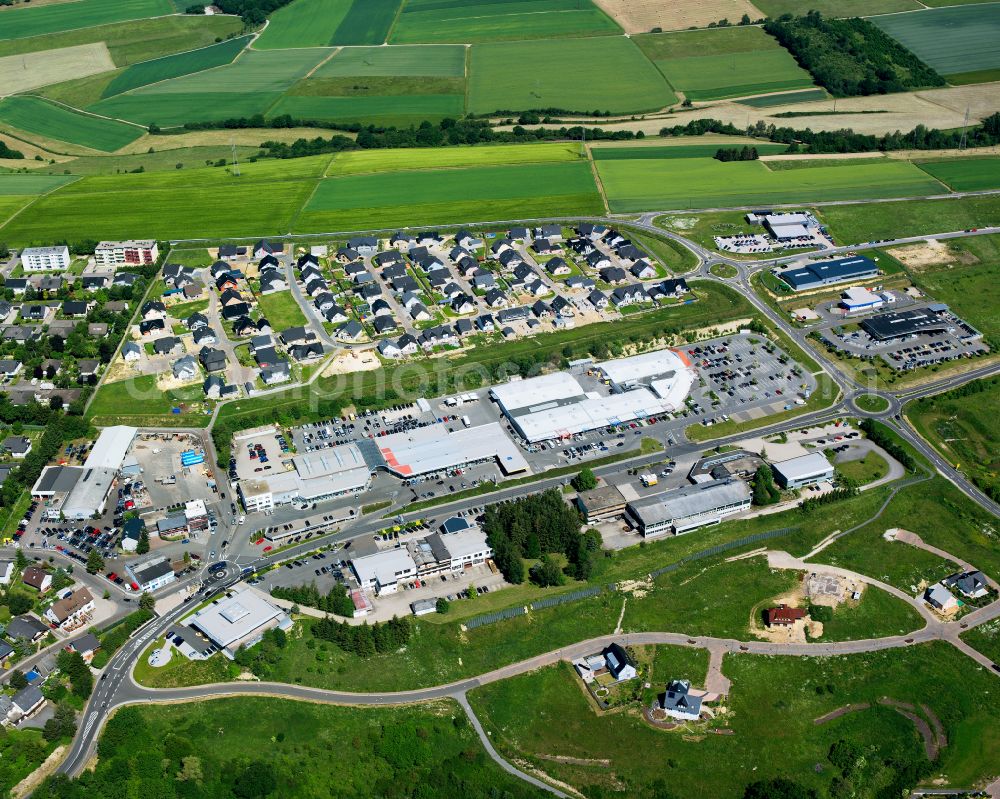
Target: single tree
[[143, 546], [95, 562], [147, 601], [585, 480], [18, 680]]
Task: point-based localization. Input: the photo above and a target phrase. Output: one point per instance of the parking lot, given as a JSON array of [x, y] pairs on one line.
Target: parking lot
[[908, 352]]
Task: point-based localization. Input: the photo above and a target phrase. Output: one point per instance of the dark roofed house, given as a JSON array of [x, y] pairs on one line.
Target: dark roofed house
[[244, 326], [971, 584], [384, 324], [235, 311], [166, 345], [306, 352], [212, 359], [26, 627], [94, 282], [365, 245], [295, 335], [149, 325], [350, 331], [74, 308], [613, 274]]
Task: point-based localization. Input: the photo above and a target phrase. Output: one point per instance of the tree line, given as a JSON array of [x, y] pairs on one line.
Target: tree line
[[986, 134], [851, 57], [540, 526], [336, 601], [364, 640], [882, 437], [744, 153]]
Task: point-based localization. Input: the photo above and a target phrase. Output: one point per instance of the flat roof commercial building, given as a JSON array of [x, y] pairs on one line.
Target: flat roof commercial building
[[785, 227], [601, 503], [556, 405], [433, 448], [858, 299], [111, 447], [689, 508], [383, 571], [803, 470], [239, 619], [89, 496], [823, 273], [934, 318]]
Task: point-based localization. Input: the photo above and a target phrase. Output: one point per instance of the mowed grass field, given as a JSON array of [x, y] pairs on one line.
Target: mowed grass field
[[596, 74], [26, 20], [418, 197], [174, 66], [382, 85], [723, 62], [34, 115], [494, 20], [960, 42], [356, 162], [250, 85], [643, 184], [854, 224], [966, 174], [209, 202]]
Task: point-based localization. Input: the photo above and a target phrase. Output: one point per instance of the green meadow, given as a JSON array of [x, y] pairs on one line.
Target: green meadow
[[965, 174], [605, 74], [19, 23], [34, 115], [303, 23], [682, 151], [633, 185], [174, 66], [443, 61], [723, 62], [399, 110], [355, 162], [494, 20], [453, 195], [853, 224]]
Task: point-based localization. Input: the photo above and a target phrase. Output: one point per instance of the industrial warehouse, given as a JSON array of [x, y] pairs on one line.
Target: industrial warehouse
[[557, 406], [824, 273], [689, 508], [936, 318]]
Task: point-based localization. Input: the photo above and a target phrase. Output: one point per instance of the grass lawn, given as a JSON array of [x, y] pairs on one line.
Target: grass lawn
[[872, 403], [773, 731], [724, 271], [309, 748], [496, 20], [865, 470], [937, 512], [34, 115], [674, 256], [723, 62], [281, 309], [985, 638], [964, 431], [854, 224], [604, 74], [706, 183], [358, 202], [357, 162], [970, 43], [114, 403]]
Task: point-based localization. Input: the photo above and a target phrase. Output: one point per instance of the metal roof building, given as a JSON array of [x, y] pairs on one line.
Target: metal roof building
[[111, 448], [430, 449], [383, 570], [823, 273], [240, 619], [904, 323], [690, 507], [803, 470], [56, 480], [90, 493]]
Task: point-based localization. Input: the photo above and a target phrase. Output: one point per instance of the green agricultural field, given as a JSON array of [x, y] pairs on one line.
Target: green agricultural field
[[357, 162], [364, 752], [401, 110], [303, 23], [723, 62], [684, 151], [965, 174], [11, 204], [964, 430], [443, 61], [33, 115], [367, 22], [494, 20], [25, 21], [250, 85], [193, 203], [784, 98], [156, 161], [955, 41], [174, 66], [772, 736], [28, 184], [837, 8], [454, 195], [707, 183], [607, 74], [853, 224], [138, 40]]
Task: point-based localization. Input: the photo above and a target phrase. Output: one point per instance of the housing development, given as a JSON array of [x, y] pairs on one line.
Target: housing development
[[416, 398]]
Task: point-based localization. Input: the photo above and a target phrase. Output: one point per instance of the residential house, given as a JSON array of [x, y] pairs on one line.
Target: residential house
[[629, 295], [72, 611], [235, 311], [196, 321], [230, 252], [18, 285], [86, 646], [483, 280], [16, 446], [6, 571], [153, 309], [580, 282], [167, 345], [499, 245], [364, 245], [227, 280], [394, 271], [324, 301], [486, 323], [346, 255], [406, 283], [271, 282], [628, 253], [437, 337], [523, 275], [150, 326], [518, 314], [783, 616], [97, 329], [216, 270], [381, 307], [317, 286], [37, 578], [613, 274], [674, 287], [544, 247], [213, 386], [388, 348], [429, 238], [295, 335], [266, 356], [467, 241], [536, 289], [419, 313], [463, 304], [131, 352], [463, 327], [306, 352], [591, 231], [369, 291], [350, 331], [26, 702], [496, 299], [678, 702], [264, 248], [94, 282], [124, 279], [510, 259], [557, 267], [598, 299], [10, 368], [75, 308], [27, 628], [518, 234], [402, 240], [552, 232], [245, 326], [387, 257], [642, 270], [562, 307], [212, 359], [185, 368], [940, 598], [204, 335], [970, 584], [277, 372], [230, 297], [307, 259], [335, 314], [383, 325], [268, 262], [541, 310], [467, 266]]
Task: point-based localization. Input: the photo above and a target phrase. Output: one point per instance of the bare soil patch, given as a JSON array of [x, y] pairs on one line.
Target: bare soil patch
[[641, 16], [18, 73], [931, 253]]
